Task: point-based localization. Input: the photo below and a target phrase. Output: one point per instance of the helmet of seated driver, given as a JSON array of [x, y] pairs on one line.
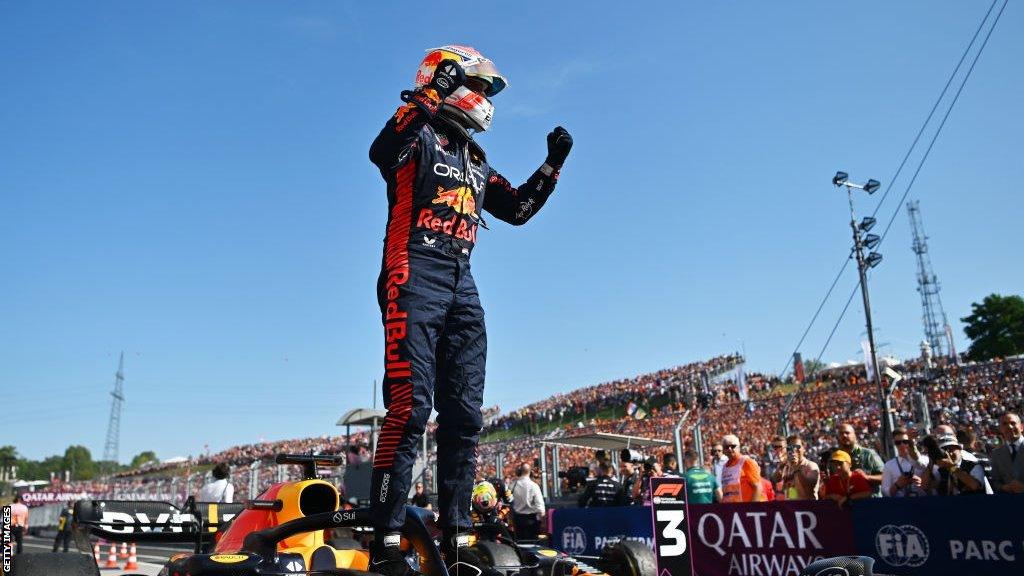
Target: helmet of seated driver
[[470, 104], [485, 497]]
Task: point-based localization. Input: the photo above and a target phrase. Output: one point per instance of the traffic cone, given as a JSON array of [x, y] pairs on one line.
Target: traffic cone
[[124, 551], [96, 553], [133, 562], [112, 557]]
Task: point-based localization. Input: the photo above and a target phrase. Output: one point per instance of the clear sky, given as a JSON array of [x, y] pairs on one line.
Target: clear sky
[[188, 182]]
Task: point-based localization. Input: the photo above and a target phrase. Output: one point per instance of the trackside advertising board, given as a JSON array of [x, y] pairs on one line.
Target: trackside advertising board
[[587, 530], [669, 519], [976, 535], [767, 538]]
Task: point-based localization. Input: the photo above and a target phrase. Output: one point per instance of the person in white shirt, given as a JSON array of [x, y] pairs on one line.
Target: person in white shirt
[[220, 489], [718, 460], [903, 475], [527, 504]]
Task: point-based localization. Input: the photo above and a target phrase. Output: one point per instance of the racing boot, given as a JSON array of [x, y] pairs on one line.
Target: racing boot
[[459, 558], [387, 557]]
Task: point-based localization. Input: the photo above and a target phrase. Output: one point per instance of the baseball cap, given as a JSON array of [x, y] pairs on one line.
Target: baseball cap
[[841, 456], [948, 440]]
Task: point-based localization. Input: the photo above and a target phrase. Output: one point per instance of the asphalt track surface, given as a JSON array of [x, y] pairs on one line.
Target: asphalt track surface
[[151, 558]]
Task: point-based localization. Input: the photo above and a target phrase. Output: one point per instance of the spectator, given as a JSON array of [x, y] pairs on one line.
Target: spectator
[[955, 474], [604, 490], [527, 504], [741, 476], [420, 498], [630, 479], [866, 460], [1007, 460], [798, 478], [718, 460], [845, 484], [903, 475], [220, 490], [64, 527], [669, 465], [701, 486], [776, 457], [970, 443], [19, 522]]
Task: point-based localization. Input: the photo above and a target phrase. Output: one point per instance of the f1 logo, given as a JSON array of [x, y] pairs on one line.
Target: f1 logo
[[668, 490]]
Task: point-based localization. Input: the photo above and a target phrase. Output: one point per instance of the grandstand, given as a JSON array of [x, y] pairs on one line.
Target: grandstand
[[968, 396]]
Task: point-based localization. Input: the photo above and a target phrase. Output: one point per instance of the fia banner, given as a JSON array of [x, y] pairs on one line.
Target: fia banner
[[669, 519], [977, 535], [585, 531]]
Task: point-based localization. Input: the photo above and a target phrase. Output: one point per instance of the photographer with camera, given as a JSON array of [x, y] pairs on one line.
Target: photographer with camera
[[903, 475], [796, 477], [953, 473], [604, 490]]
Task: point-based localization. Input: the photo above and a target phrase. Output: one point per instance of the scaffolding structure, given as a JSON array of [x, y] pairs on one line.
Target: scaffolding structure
[[936, 326]]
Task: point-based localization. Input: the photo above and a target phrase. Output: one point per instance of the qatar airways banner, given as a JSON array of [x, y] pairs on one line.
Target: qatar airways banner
[[50, 497], [766, 538]]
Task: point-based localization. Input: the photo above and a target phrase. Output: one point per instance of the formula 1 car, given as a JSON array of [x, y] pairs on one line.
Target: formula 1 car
[[496, 546], [291, 529]]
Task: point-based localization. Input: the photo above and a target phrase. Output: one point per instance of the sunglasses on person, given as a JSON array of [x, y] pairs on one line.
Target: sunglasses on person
[[951, 449], [778, 446], [899, 442], [794, 447], [729, 446]]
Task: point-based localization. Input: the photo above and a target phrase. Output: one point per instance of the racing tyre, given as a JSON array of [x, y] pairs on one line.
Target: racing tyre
[[628, 558], [54, 564], [501, 557]]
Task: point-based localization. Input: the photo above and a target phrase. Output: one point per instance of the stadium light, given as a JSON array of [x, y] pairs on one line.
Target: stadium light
[[862, 241]]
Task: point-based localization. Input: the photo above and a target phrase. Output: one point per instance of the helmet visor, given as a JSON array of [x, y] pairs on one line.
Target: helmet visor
[[485, 70]]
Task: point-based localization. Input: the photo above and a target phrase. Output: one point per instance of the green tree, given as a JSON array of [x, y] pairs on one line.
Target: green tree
[[143, 458], [78, 460], [813, 366], [8, 460], [995, 327]]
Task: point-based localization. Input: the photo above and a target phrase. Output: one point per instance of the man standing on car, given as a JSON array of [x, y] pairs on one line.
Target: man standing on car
[[439, 182]]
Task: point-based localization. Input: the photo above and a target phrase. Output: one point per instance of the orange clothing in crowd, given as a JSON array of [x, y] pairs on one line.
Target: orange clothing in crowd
[[740, 479]]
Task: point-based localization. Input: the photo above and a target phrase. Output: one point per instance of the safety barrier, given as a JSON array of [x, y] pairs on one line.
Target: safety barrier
[[977, 535]]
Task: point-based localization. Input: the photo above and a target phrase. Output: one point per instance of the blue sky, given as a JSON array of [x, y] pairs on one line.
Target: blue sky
[[189, 182]]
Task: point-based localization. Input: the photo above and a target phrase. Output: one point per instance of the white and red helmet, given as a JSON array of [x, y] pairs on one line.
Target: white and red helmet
[[473, 109]]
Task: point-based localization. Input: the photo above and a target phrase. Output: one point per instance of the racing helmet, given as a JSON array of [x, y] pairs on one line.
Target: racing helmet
[[470, 109], [485, 497]]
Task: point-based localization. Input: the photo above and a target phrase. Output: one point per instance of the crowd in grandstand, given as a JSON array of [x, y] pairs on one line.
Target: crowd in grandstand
[[969, 398]]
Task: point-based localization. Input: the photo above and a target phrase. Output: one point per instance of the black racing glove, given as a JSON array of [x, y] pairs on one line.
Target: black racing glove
[[448, 76], [559, 144]]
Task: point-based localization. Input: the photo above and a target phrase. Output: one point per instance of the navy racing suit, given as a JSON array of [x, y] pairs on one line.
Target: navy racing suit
[[438, 181]]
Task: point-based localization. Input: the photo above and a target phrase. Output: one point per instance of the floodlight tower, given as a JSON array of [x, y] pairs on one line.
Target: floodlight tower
[[862, 240], [934, 317], [114, 425]]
